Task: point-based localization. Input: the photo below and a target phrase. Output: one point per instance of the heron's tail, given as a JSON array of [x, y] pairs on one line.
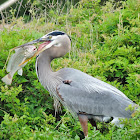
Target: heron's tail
[[7, 79]]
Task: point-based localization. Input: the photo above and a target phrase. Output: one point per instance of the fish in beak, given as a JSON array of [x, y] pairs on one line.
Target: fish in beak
[[26, 44], [20, 55], [42, 39], [41, 48]]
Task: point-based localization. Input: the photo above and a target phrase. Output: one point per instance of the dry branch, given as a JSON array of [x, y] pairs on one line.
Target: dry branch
[[6, 4]]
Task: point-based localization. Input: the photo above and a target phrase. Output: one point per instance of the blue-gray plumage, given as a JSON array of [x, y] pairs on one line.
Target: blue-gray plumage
[[82, 94], [92, 96]]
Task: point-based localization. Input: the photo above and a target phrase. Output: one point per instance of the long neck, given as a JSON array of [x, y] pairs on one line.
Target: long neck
[[44, 64], [49, 79], [46, 76]]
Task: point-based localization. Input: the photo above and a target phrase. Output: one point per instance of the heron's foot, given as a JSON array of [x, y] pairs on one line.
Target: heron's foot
[[67, 82]]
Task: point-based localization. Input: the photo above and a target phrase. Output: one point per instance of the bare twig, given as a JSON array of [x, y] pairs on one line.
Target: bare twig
[[7, 4], [19, 8]]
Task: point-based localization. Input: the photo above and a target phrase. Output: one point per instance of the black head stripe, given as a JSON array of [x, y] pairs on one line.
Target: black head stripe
[[55, 33]]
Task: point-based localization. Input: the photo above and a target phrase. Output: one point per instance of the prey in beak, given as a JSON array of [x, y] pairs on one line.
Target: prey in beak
[[26, 44], [41, 48], [42, 39], [47, 44]]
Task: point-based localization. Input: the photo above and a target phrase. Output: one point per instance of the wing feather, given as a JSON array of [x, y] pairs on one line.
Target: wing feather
[[92, 96]]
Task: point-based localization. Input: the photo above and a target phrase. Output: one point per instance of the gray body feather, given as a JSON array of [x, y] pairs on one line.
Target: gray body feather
[[92, 96], [84, 94]]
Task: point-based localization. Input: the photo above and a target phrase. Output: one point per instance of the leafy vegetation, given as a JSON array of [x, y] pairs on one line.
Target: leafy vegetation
[[105, 44]]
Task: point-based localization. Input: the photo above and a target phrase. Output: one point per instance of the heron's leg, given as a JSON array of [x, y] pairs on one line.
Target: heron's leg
[[93, 123], [84, 123]]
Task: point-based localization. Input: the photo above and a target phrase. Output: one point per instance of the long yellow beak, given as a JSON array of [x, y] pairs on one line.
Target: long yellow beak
[[29, 58], [38, 52], [26, 60]]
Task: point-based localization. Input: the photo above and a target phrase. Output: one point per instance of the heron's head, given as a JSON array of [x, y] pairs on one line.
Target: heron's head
[[57, 43]]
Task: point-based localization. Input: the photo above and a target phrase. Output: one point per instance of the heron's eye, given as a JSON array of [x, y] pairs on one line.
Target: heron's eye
[[49, 37]]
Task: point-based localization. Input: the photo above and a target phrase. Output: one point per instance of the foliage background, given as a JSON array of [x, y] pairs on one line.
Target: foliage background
[[105, 44]]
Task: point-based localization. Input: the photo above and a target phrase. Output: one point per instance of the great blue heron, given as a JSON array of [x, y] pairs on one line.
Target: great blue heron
[[84, 95]]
